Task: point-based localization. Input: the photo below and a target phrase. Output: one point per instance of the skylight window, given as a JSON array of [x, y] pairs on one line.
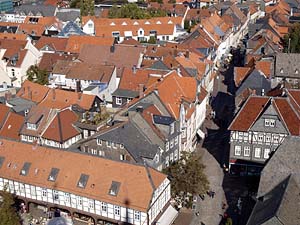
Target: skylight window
[[53, 174], [114, 188], [25, 169], [83, 180], [1, 161]]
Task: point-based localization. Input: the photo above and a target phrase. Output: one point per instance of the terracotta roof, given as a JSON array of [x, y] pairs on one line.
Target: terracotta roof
[[13, 36], [61, 127], [58, 44], [288, 115], [75, 43], [249, 113], [11, 126], [4, 110], [131, 80], [194, 14], [48, 60], [12, 47], [135, 190], [173, 89], [264, 67], [61, 99], [240, 73], [130, 41], [31, 29], [32, 91]]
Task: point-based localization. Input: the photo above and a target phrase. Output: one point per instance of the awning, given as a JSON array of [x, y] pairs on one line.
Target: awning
[[168, 217], [201, 133]]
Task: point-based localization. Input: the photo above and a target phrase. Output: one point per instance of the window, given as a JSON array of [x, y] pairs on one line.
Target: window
[[257, 152], [247, 151], [104, 207], [118, 101], [137, 215], [113, 145], [272, 123], [172, 143], [91, 204], [267, 153], [172, 128], [79, 201], [260, 137], [268, 138], [237, 150], [44, 192], [276, 139], [55, 195], [114, 188], [122, 157], [176, 140], [167, 146], [90, 25], [267, 122], [108, 144], [117, 210], [128, 100], [121, 146], [13, 72], [67, 197], [99, 142]]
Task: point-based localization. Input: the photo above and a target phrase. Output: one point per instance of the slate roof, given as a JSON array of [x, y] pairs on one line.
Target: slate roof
[[68, 16], [45, 10], [20, 104], [136, 143], [69, 29], [125, 93], [287, 65]]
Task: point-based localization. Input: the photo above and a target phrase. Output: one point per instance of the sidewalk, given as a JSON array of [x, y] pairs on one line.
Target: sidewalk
[[209, 210]]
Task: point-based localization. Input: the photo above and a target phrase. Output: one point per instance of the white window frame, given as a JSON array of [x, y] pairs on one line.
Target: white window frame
[[176, 140], [257, 150], [172, 143], [267, 153], [122, 157], [137, 216], [267, 122], [237, 150], [99, 141], [118, 101], [272, 123], [167, 146], [247, 149], [108, 144], [117, 210], [276, 138], [104, 207]]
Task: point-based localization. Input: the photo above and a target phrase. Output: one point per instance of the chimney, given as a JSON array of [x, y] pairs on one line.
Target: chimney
[[8, 95], [79, 96], [78, 87], [141, 90], [112, 49], [187, 54], [175, 52], [53, 94], [30, 95], [134, 69]]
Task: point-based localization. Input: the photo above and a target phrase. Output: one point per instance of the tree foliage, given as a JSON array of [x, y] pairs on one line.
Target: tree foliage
[[37, 75], [187, 178], [132, 11], [75, 4], [87, 7], [294, 38], [8, 214]]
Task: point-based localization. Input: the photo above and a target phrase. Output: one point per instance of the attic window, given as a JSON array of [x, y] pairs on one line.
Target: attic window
[[135, 23], [296, 71], [112, 24], [1, 161], [124, 23], [158, 22], [170, 22], [147, 22], [82, 181], [281, 70], [53, 174], [25, 169], [114, 188]]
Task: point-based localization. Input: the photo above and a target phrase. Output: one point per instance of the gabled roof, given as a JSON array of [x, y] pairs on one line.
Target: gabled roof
[[137, 183], [76, 43], [11, 126], [249, 113], [48, 60], [240, 73], [57, 44], [32, 91], [61, 99], [264, 67], [61, 127]]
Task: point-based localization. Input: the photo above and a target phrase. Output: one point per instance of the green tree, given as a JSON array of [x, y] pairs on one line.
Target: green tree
[[8, 214], [75, 4], [187, 178], [87, 7], [37, 75], [291, 41], [152, 40]]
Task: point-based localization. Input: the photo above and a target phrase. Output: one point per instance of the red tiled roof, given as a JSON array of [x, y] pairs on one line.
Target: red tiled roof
[[61, 128], [249, 113], [58, 44], [11, 126], [4, 110], [48, 60], [240, 73], [264, 67], [136, 189], [32, 91]]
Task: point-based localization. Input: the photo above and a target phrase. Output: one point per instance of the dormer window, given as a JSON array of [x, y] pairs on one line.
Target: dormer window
[[82, 181], [25, 169], [31, 126], [108, 144], [114, 188], [153, 32], [99, 141], [53, 174], [124, 23]]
